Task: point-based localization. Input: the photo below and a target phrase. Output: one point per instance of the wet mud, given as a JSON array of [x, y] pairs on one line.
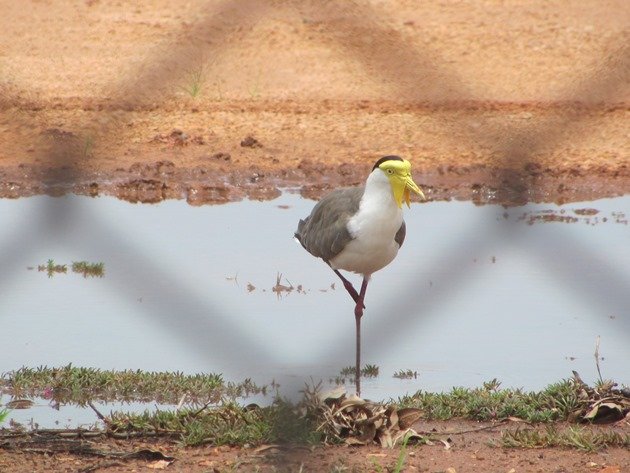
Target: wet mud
[[160, 180]]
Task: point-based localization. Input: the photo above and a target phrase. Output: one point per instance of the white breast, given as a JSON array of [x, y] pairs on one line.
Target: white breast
[[373, 227]]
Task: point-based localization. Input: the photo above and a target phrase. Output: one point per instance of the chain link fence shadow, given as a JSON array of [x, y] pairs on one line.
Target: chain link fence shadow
[[361, 32]]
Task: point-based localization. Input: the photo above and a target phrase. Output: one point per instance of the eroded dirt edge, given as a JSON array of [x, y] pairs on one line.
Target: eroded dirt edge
[[161, 180]]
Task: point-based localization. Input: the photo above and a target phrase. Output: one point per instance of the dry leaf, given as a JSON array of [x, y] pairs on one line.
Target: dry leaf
[[159, 464], [353, 441], [605, 409], [385, 438], [359, 422], [273, 447], [367, 434], [515, 419], [336, 393], [408, 416], [19, 404], [393, 418], [352, 401]]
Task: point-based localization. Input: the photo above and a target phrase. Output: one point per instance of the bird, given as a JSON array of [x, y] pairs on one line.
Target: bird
[[360, 230]]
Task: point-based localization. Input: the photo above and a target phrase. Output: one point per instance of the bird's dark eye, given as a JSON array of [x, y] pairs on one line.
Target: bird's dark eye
[[390, 171]]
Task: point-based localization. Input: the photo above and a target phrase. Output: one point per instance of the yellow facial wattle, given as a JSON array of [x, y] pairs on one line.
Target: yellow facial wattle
[[399, 174]]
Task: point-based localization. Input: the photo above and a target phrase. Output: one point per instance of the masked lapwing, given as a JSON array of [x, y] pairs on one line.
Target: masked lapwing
[[361, 229]]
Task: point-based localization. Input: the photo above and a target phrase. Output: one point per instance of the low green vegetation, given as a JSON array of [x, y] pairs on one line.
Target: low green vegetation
[[406, 374], [85, 268], [71, 384], [556, 402], [347, 371], [51, 268], [205, 412], [370, 371], [3, 415], [195, 81], [88, 269], [346, 375], [572, 437], [227, 424], [402, 456]]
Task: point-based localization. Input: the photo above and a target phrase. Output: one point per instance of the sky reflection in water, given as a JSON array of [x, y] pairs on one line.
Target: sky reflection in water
[[472, 296]]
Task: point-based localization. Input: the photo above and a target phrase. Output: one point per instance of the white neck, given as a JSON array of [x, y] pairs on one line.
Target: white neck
[[373, 229], [378, 193]]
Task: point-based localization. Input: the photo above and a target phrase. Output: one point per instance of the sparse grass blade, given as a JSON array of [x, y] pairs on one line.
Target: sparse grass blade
[[195, 81], [402, 456]]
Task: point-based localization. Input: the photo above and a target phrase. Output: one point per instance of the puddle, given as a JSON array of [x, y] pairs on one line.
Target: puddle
[[48, 415], [477, 292]]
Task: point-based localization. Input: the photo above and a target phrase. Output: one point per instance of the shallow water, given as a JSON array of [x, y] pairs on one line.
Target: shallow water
[[476, 293]]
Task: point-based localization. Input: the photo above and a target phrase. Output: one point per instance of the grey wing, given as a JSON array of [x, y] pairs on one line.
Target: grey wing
[[324, 233], [400, 234]]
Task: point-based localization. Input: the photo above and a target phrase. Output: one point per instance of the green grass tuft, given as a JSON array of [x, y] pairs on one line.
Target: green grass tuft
[[228, 424], [556, 402], [573, 437], [51, 268], [195, 81], [406, 374], [82, 267], [370, 371], [88, 269]]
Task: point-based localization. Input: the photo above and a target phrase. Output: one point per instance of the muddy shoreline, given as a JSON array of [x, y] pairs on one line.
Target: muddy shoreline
[[162, 180], [214, 152]]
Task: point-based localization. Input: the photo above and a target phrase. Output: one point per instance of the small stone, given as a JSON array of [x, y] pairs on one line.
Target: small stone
[[221, 156], [251, 142]]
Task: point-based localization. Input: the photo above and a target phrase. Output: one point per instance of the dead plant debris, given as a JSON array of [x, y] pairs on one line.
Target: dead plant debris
[[356, 421]]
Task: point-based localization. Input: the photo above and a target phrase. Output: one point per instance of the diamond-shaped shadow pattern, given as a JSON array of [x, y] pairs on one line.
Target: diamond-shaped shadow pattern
[[411, 74]]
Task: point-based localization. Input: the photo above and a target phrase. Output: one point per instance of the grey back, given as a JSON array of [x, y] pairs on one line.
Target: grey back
[[324, 232]]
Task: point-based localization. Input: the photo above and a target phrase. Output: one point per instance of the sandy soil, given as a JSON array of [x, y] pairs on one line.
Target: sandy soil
[[217, 101], [148, 101], [468, 452]]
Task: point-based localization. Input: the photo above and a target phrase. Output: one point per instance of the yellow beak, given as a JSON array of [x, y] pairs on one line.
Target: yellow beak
[[402, 186], [411, 186]]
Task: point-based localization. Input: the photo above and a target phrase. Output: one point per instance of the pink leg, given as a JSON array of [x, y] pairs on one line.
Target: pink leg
[[349, 287], [358, 313]]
